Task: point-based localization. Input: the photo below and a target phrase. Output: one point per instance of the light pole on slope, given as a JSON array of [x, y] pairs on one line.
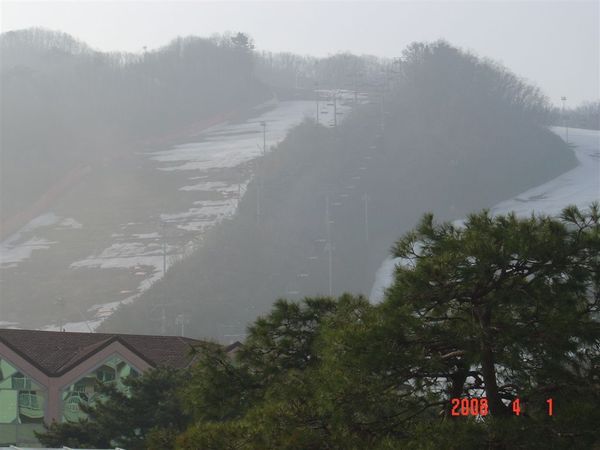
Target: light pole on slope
[[564, 118]]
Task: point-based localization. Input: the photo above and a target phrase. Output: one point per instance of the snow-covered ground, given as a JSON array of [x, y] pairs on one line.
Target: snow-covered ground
[[224, 146], [579, 186], [220, 151], [21, 245], [231, 145]]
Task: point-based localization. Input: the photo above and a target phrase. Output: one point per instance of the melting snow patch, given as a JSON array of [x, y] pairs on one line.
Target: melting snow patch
[[45, 220], [209, 186], [70, 223], [579, 186], [384, 278], [19, 247], [229, 145], [223, 146], [10, 255], [208, 213], [146, 235], [123, 256]]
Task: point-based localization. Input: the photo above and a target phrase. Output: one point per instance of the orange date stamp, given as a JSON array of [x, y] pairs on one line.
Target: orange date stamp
[[478, 406]]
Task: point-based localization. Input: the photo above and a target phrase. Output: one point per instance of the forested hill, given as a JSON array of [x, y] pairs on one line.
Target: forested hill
[[452, 134], [65, 104]]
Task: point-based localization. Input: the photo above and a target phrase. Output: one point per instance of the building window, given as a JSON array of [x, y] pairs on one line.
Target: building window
[[21, 399], [105, 374], [84, 392], [20, 382]]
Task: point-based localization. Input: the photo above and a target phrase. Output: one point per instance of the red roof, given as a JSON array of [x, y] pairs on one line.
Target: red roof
[[56, 352]]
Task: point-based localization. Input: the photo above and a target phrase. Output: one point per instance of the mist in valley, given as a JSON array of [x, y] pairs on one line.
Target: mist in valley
[[182, 188]]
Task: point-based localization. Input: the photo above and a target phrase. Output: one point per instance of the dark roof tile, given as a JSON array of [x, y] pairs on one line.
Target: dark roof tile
[[55, 352]]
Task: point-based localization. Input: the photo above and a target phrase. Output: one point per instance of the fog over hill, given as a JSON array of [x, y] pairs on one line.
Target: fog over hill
[[447, 132], [186, 158], [64, 104], [84, 184], [299, 225]]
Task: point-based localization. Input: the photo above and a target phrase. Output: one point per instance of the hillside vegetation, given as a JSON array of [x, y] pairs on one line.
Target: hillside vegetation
[[65, 104], [488, 338], [449, 132]]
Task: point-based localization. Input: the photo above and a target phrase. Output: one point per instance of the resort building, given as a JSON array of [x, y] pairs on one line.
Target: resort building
[[47, 376]]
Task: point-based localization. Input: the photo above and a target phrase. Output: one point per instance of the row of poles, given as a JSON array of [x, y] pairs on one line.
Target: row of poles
[[181, 319]]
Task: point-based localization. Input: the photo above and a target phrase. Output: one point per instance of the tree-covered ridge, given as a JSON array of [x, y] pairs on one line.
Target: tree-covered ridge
[[452, 133], [65, 104], [445, 75], [177, 83], [500, 308], [586, 115]]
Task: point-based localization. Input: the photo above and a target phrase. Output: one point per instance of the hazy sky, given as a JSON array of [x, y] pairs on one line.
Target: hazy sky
[[552, 43]]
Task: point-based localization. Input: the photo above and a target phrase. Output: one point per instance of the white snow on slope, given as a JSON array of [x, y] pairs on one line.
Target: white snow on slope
[[18, 247], [219, 186], [230, 145], [70, 223], [223, 146], [12, 256], [21, 245], [124, 256], [383, 278], [579, 186]]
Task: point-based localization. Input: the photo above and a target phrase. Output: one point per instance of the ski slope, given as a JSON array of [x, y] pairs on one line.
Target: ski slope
[[580, 186], [205, 179]]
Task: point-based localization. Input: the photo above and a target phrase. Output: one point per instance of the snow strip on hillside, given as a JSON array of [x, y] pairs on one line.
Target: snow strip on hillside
[[579, 186]]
